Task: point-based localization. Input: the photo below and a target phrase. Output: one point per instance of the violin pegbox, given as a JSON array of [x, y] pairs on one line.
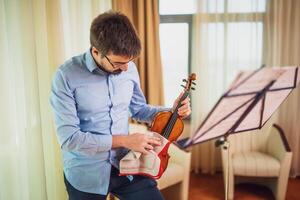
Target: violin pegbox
[[189, 82]]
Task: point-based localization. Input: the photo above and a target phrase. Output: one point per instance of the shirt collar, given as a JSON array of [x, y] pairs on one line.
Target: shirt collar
[[91, 63]]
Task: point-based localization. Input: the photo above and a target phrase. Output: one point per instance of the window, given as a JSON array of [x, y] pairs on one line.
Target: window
[[175, 36], [235, 33], [174, 70]]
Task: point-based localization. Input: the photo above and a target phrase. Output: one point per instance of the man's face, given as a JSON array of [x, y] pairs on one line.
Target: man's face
[[110, 62]]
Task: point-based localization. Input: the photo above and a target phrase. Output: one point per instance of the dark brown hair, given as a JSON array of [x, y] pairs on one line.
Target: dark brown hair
[[112, 31]]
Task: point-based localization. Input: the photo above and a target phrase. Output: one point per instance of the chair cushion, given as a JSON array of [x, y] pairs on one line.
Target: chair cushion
[[173, 174], [255, 163]]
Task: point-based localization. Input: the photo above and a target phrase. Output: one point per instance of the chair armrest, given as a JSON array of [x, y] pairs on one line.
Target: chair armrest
[[182, 158], [137, 128], [179, 156], [277, 144]]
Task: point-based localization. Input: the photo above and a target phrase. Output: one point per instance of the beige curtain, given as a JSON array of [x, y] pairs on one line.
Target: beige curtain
[[77, 16], [283, 49], [33, 42], [224, 42], [145, 17]]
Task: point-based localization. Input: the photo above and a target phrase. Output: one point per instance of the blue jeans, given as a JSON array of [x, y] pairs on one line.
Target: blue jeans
[[140, 187]]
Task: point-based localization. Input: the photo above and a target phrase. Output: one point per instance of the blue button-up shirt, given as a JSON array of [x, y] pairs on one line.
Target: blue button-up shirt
[[90, 106]]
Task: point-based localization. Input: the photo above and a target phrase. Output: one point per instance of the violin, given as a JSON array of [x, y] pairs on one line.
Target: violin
[[169, 124]]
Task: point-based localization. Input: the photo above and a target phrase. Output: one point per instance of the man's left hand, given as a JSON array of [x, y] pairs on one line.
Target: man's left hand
[[185, 109]]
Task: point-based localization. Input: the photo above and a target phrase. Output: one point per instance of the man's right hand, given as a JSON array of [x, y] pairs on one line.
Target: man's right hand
[[137, 142]]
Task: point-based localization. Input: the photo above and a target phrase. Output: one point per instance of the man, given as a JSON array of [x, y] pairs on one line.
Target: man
[[92, 96]]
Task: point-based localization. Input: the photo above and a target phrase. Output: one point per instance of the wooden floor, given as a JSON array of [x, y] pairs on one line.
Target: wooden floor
[[210, 187]]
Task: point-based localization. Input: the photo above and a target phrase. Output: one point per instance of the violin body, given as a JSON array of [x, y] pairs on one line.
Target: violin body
[[161, 120]]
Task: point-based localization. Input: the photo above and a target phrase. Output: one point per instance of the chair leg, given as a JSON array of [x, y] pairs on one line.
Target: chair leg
[[281, 187], [184, 191], [230, 186]]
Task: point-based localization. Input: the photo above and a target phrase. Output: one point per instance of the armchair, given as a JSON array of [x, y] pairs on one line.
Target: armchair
[[264, 155]]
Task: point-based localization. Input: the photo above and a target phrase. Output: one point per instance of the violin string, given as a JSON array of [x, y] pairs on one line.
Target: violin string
[[170, 126], [171, 122], [174, 117]]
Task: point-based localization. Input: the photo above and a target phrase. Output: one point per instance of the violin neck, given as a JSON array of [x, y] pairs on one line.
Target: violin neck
[[174, 116], [183, 97]]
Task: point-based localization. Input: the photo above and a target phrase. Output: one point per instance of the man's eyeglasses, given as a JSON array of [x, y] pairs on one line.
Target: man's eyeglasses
[[117, 64]]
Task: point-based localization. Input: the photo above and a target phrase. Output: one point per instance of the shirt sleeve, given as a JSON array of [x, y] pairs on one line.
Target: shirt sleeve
[[70, 137], [139, 108]]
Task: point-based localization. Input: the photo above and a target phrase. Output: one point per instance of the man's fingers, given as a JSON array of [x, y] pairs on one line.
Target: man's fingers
[[184, 107], [180, 95], [148, 147], [178, 98], [184, 114], [144, 151], [184, 110], [155, 141], [156, 138], [186, 100]]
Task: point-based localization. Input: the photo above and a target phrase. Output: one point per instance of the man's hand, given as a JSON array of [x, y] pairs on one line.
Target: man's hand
[[137, 142], [141, 142], [185, 109]]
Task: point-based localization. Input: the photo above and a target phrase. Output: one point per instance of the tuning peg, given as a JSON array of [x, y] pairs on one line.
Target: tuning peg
[[192, 88], [182, 86], [194, 83], [184, 80]]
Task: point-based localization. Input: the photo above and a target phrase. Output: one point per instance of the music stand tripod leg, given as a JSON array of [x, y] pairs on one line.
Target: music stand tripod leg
[[225, 145]]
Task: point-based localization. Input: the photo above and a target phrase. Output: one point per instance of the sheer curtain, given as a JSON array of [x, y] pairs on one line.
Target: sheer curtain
[[34, 40], [76, 18], [283, 49], [232, 35], [227, 37]]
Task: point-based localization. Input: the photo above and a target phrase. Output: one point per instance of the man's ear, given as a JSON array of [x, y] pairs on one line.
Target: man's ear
[[95, 51]]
